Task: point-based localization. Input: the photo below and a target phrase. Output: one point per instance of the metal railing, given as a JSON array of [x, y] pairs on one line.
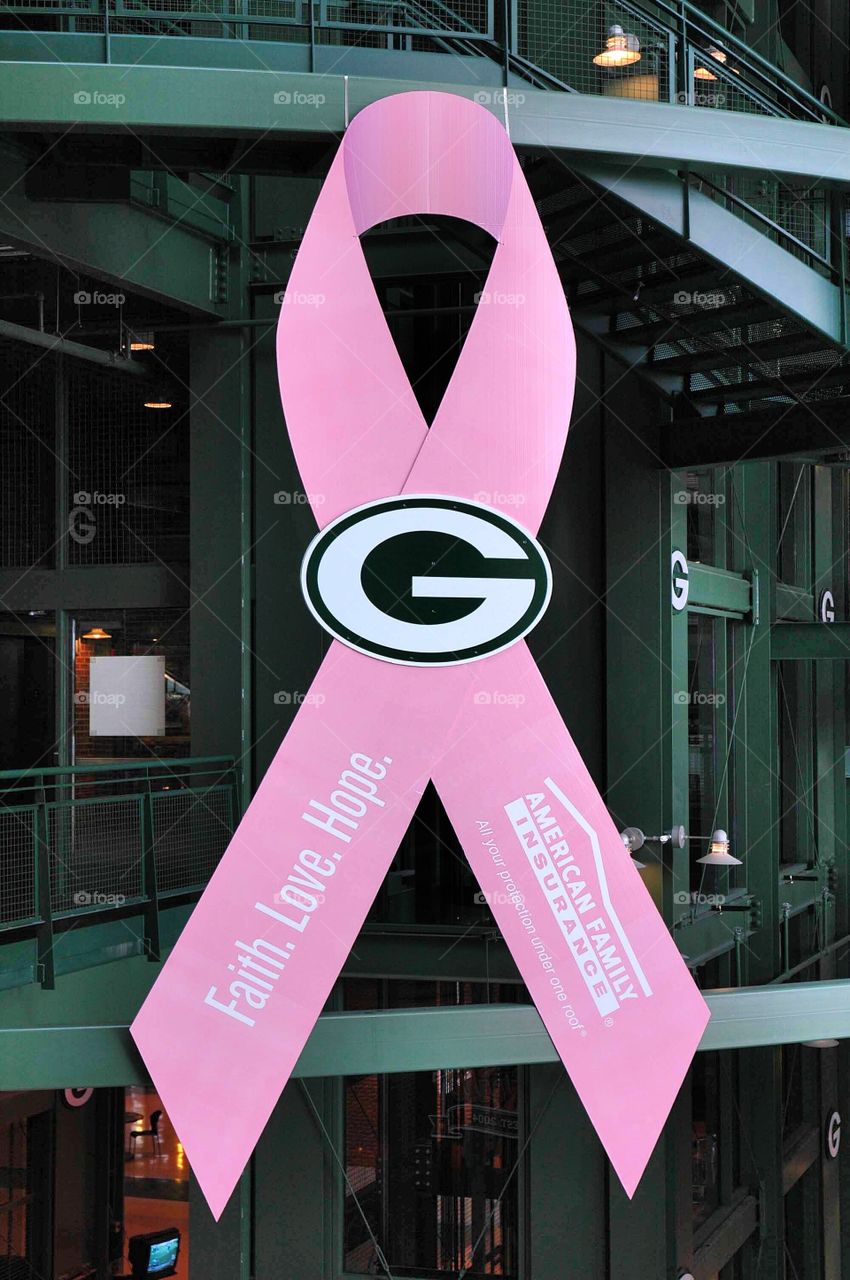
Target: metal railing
[[101, 840], [681, 56]]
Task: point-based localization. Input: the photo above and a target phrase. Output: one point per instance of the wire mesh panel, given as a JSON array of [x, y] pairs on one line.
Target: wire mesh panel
[[128, 488], [191, 829], [470, 17], [798, 209], [95, 852], [573, 41], [27, 475], [17, 865]]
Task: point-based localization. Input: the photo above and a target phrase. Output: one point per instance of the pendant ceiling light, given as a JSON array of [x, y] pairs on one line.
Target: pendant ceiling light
[[97, 633], [718, 853], [622, 49], [143, 341]]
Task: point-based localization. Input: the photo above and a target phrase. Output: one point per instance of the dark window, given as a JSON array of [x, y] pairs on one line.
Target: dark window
[[431, 1167]]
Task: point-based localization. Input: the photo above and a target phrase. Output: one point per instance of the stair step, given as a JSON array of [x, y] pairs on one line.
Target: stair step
[[762, 390], [618, 256], [614, 298], [712, 320], [792, 344], [580, 219]]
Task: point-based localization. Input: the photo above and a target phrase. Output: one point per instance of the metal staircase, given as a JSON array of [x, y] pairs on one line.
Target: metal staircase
[[695, 317]]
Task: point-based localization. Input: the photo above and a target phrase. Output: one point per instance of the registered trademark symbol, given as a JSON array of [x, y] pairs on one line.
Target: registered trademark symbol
[[609, 1022]]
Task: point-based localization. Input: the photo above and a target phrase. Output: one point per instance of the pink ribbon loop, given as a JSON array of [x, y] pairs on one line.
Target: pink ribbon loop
[[254, 966]]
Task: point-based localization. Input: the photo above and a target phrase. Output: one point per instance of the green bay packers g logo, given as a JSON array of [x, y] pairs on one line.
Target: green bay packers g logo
[[426, 580]]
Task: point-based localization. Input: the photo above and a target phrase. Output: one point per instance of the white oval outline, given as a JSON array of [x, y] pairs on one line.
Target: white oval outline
[[431, 497]]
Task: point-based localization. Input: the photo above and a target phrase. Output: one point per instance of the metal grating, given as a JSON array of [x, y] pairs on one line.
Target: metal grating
[[17, 864], [191, 830], [95, 853], [27, 462], [127, 480]]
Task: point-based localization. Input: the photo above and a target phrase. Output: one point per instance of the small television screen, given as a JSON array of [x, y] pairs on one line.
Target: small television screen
[[155, 1254]]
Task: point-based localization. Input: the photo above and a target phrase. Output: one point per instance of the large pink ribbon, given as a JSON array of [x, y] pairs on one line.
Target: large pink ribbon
[[242, 989]]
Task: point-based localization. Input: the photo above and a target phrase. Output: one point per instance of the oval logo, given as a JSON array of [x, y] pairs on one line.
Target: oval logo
[[425, 580]]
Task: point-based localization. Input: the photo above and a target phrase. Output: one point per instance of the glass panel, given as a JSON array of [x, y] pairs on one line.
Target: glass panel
[[431, 1163], [797, 784], [704, 768], [702, 497], [794, 507], [705, 1094]]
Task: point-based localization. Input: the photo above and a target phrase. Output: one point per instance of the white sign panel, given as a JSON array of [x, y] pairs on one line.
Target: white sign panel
[[127, 697]]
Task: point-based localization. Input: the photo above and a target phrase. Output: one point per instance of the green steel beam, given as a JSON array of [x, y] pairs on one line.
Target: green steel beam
[[741, 252], [125, 245], [805, 640], [140, 98], [779, 433], [148, 586], [711, 588], [421, 1039]]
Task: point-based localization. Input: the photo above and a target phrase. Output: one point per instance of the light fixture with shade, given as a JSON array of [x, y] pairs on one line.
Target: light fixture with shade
[[158, 397], [141, 341], [819, 1044], [622, 49], [718, 852], [97, 633]]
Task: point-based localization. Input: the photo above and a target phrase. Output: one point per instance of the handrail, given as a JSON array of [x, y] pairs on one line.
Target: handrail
[[747, 54], [757, 214], [123, 843], [51, 771]]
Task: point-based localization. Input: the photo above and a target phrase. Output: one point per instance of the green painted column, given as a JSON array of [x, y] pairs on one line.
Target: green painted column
[[567, 1182], [757, 840]]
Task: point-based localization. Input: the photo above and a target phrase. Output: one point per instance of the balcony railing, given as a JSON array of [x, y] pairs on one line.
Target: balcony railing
[[105, 841], [680, 55]]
